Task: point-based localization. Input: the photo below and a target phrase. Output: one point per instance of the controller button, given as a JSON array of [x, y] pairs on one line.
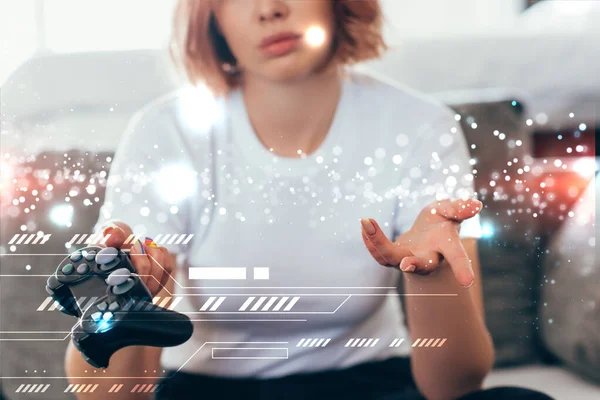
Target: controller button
[[89, 255], [124, 287], [107, 316], [102, 306], [82, 269], [110, 265], [76, 257], [114, 306], [67, 269], [106, 255], [118, 277], [96, 316]]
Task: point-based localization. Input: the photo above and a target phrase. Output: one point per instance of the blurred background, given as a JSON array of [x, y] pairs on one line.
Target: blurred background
[[522, 76]]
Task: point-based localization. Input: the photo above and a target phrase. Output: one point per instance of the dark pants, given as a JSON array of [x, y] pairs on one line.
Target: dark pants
[[389, 379]]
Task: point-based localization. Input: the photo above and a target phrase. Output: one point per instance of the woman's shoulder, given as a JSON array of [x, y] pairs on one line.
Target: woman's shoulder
[[189, 110], [401, 100]]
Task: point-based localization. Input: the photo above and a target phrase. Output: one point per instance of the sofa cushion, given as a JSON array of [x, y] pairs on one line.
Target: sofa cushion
[[570, 301], [555, 381]]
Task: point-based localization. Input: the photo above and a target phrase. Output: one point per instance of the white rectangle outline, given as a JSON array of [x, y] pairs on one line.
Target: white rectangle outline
[[249, 348], [217, 273]]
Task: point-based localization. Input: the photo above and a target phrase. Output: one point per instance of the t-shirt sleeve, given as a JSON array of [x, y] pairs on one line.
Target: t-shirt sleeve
[[438, 168], [150, 183]]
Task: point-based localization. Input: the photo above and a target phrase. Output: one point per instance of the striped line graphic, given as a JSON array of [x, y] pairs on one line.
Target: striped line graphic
[[55, 305], [396, 343], [81, 388], [115, 388], [425, 342], [88, 238], [270, 302], [35, 388], [210, 301], [28, 238], [161, 239], [49, 304], [145, 388], [319, 342], [362, 342]]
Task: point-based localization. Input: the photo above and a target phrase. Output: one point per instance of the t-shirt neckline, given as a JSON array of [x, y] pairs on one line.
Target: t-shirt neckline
[[246, 140]]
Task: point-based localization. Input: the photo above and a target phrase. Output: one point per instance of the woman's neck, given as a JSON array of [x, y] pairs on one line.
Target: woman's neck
[[292, 116]]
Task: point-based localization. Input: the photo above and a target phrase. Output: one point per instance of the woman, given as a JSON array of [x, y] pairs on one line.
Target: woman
[[272, 172]]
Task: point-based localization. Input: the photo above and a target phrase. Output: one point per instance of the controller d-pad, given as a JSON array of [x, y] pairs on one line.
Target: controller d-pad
[[123, 287], [75, 256], [118, 277], [82, 269], [110, 265], [114, 306], [67, 269], [102, 306], [107, 255]]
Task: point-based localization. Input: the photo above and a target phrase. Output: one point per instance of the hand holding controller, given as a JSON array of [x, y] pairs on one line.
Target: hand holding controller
[[122, 314]]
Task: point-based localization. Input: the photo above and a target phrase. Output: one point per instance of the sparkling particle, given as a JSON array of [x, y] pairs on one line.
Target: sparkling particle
[[368, 160], [144, 211], [397, 159], [529, 122], [582, 127], [541, 119], [446, 140], [222, 211]]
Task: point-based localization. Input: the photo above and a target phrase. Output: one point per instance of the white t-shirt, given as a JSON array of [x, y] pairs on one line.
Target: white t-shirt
[[301, 292]]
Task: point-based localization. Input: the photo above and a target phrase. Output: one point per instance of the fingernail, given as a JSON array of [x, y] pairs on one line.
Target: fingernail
[[368, 225], [471, 284], [410, 268], [139, 248], [150, 242], [109, 228]]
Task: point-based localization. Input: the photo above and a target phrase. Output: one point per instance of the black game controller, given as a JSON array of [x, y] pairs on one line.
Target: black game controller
[[122, 314]]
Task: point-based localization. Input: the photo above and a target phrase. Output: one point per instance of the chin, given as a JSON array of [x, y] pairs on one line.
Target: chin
[[294, 67]]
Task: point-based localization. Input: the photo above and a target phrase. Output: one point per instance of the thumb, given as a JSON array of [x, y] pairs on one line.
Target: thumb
[[458, 210], [119, 232]]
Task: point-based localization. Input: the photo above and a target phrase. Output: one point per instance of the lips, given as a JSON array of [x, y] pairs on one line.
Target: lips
[[278, 37]]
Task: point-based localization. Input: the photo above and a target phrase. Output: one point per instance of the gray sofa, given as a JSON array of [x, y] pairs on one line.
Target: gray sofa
[[106, 88]]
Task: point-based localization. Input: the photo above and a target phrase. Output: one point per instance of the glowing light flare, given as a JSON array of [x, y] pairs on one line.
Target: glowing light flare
[[487, 230], [62, 215], [315, 36], [585, 166]]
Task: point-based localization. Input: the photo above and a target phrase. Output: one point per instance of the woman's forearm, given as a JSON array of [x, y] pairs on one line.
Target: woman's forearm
[[130, 361], [462, 362]]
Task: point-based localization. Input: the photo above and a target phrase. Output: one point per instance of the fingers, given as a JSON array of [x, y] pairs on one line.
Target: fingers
[[157, 260], [119, 232], [386, 252], [420, 265], [458, 259], [140, 261], [456, 210]]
